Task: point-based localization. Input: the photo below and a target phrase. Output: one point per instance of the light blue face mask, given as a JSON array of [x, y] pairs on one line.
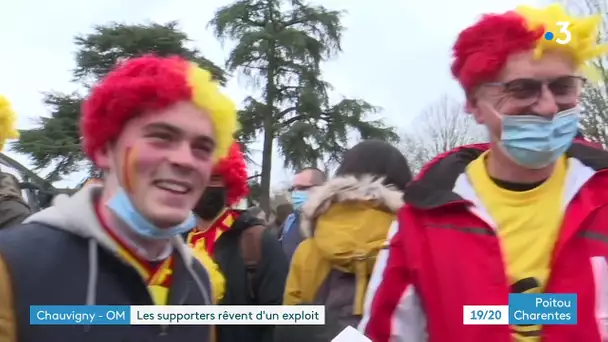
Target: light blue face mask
[[298, 197], [122, 206], [535, 142]]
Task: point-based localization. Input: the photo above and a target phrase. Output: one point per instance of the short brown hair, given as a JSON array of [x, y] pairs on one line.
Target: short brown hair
[[318, 177]]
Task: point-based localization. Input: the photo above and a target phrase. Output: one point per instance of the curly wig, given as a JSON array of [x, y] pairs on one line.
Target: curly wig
[[233, 170], [481, 51], [8, 120], [150, 83]]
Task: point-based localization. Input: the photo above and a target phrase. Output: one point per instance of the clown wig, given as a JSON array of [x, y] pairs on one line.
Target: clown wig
[[233, 170], [8, 120], [482, 50], [151, 83]]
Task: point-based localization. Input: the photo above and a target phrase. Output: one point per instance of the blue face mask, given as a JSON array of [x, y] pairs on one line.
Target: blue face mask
[[122, 206], [298, 198], [535, 142]]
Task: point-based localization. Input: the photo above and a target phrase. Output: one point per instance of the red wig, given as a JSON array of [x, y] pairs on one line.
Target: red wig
[[152, 83], [480, 51], [135, 86], [233, 170]]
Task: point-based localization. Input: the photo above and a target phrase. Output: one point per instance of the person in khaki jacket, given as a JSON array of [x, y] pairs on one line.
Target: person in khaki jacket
[[13, 209]]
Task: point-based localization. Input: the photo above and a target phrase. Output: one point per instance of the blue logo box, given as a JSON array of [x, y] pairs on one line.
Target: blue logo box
[[79, 315], [540, 309]]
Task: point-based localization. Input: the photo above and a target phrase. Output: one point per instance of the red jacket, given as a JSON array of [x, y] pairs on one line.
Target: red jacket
[[446, 254]]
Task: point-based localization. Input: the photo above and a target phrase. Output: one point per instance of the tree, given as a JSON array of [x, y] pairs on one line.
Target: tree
[[441, 126], [254, 190], [594, 100], [280, 46], [56, 141]]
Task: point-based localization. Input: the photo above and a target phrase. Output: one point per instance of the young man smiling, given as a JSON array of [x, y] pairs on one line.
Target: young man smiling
[[526, 213], [155, 126]]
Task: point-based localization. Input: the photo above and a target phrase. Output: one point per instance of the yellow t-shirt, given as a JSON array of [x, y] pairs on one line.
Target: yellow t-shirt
[[528, 224]]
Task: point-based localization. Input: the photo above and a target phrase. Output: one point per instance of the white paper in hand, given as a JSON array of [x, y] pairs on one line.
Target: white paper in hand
[[350, 334]]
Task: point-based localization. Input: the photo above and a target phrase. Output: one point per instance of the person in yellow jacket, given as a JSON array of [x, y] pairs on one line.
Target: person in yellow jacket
[[346, 222]]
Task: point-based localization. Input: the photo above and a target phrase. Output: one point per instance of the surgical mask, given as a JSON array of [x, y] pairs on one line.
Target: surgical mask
[[298, 197], [211, 203], [122, 206], [534, 142]]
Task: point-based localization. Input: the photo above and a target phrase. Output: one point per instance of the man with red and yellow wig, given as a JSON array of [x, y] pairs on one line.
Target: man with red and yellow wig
[[227, 186], [525, 214], [155, 126], [249, 256]]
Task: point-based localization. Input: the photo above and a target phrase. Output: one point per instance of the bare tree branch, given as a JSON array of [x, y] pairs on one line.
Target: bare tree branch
[[442, 126], [594, 101]]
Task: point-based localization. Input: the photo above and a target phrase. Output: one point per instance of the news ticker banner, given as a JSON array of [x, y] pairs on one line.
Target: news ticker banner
[[530, 309], [177, 315]]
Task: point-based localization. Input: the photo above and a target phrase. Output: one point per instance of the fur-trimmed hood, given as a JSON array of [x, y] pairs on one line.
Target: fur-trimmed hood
[[347, 189]]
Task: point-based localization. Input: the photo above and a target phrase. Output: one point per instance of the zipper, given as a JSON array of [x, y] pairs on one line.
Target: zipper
[[483, 215], [558, 248], [164, 329]]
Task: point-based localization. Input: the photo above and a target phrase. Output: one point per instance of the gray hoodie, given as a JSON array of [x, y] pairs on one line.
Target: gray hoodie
[[71, 259]]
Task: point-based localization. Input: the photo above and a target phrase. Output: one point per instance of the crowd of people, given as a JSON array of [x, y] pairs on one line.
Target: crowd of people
[[392, 255]]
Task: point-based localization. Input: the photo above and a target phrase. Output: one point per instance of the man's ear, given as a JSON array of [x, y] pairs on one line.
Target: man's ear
[[101, 157], [471, 107]]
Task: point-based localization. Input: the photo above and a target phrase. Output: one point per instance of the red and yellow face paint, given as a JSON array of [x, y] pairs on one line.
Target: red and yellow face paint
[[129, 169]]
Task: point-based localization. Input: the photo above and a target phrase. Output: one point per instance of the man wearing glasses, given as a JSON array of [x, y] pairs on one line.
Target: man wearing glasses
[[303, 181], [526, 213]]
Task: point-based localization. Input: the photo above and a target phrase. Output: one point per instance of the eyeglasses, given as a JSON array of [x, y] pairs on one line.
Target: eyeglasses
[[300, 188], [527, 91]]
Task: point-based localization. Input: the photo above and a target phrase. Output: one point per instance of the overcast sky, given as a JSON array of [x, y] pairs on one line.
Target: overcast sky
[[396, 52]]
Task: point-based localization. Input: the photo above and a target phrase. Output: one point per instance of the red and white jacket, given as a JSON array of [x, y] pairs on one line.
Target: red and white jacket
[[445, 254]]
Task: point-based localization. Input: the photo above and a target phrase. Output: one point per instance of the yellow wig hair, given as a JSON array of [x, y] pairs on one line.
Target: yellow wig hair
[[583, 45], [207, 96], [8, 120]]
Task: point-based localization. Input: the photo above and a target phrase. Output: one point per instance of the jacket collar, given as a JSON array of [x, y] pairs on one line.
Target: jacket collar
[[344, 189]]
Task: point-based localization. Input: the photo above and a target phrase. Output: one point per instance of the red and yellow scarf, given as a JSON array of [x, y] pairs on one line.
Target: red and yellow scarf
[[157, 275], [206, 239]]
